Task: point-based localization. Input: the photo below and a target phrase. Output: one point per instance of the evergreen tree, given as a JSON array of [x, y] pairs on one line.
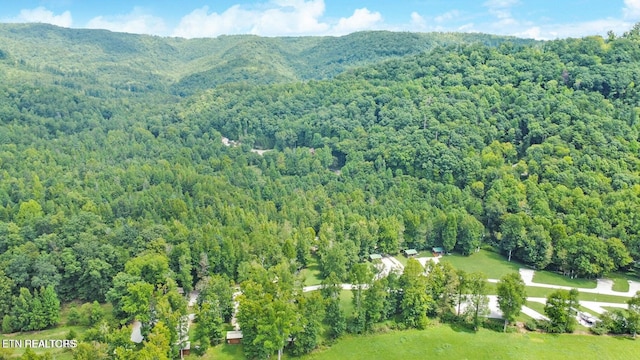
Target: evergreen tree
[[23, 310], [50, 306]]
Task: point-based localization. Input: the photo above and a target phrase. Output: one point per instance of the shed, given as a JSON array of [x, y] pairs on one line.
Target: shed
[[410, 252], [375, 257], [186, 350], [234, 337], [437, 251]]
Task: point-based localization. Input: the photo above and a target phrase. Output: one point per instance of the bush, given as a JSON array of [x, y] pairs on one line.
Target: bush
[[493, 324], [600, 328], [74, 317], [531, 325], [7, 324], [615, 322]]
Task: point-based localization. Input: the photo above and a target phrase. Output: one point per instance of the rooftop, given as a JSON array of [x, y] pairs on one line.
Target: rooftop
[[234, 335]]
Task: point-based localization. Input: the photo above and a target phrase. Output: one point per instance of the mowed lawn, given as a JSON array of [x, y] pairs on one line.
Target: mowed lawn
[[443, 342], [547, 277], [491, 264], [59, 333], [311, 273]]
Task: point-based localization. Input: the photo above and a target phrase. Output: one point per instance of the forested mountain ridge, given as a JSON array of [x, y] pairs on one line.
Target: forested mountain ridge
[[142, 63], [115, 184]]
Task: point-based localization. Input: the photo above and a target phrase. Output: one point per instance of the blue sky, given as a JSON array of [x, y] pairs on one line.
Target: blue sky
[[540, 19]]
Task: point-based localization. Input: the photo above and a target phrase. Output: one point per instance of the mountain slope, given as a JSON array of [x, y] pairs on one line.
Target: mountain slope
[[141, 63]]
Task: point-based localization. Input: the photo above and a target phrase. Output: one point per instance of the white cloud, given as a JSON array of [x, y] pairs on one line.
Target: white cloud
[[417, 18], [279, 17], [631, 9], [42, 15], [565, 30], [470, 27], [137, 22], [498, 4], [448, 16], [362, 19]]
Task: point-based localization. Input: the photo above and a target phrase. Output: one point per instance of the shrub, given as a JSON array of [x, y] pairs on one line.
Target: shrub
[[7, 324], [493, 324], [74, 317], [600, 328], [531, 325]]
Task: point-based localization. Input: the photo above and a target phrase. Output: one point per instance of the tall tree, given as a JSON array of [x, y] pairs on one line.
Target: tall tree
[[50, 306], [478, 300], [311, 309], [415, 300], [511, 297], [559, 311], [375, 302], [208, 328], [442, 282], [361, 277]]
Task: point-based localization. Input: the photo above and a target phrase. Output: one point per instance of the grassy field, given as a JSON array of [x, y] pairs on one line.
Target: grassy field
[[447, 342], [492, 264], [311, 273], [444, 342], [59, 333], [547, 277]]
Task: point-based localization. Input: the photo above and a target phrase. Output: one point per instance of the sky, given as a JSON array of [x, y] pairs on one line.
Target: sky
[[538, 19]]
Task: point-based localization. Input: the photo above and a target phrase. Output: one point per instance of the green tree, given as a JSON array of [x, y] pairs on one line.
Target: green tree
[[361, 277], [633, 308], [6, 289], [470, 232], [389, 235], [138, 301], [511, 297], [23, 310], [90, 351], [157, 346], [50, 306], [375, 302], [306, 338], [334, 315], [450, 232], [442, 283], [415, 300], [208, 329], [513, 233], [477, 298], [559, 311]]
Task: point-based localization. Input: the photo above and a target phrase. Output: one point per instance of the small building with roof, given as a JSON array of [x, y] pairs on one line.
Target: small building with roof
[[437, 251], [234, 337], [374, 257], [410, 252]]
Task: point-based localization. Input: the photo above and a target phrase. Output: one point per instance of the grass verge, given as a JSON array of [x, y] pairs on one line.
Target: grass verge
[[443, 342], [491, 264], [547, 277]]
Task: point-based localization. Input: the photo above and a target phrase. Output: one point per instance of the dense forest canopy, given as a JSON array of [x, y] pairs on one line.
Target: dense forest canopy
[[112, 160]]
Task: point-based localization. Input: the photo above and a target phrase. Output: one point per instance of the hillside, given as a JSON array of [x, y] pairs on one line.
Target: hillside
[[147, 63], [116, 185]]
